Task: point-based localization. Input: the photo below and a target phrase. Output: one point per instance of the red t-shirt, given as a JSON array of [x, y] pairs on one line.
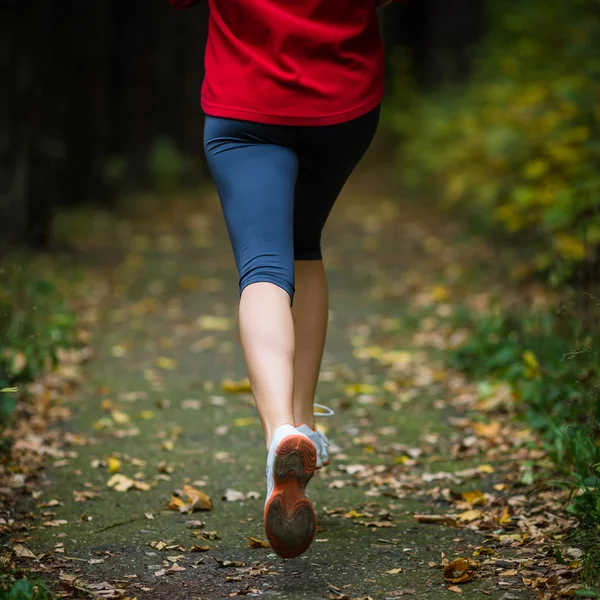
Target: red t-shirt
[[292, 62]]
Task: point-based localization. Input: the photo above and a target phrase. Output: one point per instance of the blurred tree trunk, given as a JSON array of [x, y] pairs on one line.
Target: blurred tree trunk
[[438, 35], [83, 83]]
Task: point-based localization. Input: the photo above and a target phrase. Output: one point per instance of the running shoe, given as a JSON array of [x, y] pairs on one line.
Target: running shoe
[[290, 519], [318, 438]]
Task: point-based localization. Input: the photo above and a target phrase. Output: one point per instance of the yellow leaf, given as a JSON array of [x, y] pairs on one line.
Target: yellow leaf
[[361, 388], [475, 497], [455, 589], [107, 405], [483, 551], [196, 548], [395, 571], [197, 498], [147, 415], [485, 469], [244, 421], [439, 293], [175, 503], [236, 387], [103, 423], [504, 516], [487, 430], [213, 323], [353, 514], [167, 364], [256, 543], [469, 515], [168, 445], [142, 486], [119, 417], [114, 465], [531, 360]]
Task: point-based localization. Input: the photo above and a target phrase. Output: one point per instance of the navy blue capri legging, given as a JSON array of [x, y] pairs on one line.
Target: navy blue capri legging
[[277, 186]]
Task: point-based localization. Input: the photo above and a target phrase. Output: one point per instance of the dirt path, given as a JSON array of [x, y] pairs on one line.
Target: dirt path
[[155, 401]]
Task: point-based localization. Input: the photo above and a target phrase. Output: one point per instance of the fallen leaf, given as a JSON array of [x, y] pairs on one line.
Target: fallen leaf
[[474, 497], [469, 515], [213, 323], [229, 563], [23, 552], [504, 516], [114, 465], [436, 519], [489, 430], [395, 571], [196, 500], [360, 388], [236, 387], [165, 363], [119, 417], [245, 421], [509, 573], [460, 570], [256, 543], [455, 589], [377, 524], [196, 548]]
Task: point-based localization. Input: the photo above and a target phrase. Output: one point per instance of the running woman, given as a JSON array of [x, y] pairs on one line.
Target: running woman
[[291, 93]]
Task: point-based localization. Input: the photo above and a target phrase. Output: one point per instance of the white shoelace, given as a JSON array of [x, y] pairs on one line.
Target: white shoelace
[[328, 411]]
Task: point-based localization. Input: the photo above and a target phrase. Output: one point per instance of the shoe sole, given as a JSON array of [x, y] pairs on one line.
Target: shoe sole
[[290, 519]]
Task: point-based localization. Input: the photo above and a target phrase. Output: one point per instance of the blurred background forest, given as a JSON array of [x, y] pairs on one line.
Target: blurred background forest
[[103, 97], [492, 115]]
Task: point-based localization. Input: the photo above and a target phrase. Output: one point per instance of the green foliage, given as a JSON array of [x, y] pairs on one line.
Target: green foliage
[[518, 145], [553, 367], [34, 323], [26, 588]]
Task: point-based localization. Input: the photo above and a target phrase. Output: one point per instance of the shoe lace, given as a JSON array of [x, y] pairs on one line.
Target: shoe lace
[[324, 412]]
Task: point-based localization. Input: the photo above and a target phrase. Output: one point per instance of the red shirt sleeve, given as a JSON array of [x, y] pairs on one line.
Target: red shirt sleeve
[[182, 4]]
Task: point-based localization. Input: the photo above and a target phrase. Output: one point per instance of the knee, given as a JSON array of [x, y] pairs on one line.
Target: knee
[[268, 268]]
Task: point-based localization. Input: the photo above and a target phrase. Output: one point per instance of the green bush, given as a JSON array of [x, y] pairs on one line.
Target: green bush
[[34, 323], [518, 145]]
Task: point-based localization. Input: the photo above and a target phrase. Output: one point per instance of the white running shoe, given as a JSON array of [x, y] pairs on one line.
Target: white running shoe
[[318, 438], [290, 519]]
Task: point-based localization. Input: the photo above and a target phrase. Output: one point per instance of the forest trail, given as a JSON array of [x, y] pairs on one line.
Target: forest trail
[[164, 406]]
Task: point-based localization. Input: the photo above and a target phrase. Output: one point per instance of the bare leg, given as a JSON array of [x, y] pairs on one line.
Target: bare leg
[[267, 335], [310, 312]]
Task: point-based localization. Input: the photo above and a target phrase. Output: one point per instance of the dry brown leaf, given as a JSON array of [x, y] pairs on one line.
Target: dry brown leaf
[[256, 543], [196, 548], [455, 589], [460, 570], [395, 571], [23, 552], [436, 519], [378, 524], [509, 573], [489, 430]]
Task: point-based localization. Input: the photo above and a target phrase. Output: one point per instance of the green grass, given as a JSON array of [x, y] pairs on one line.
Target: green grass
[[14, 587], [35, 322]]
